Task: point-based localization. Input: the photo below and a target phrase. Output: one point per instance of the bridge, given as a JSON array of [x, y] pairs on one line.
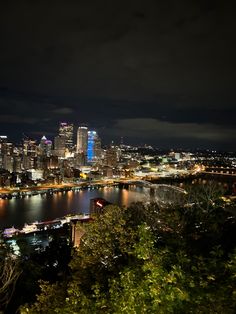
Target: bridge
[[163, 194], [220, 171], [150, 185]]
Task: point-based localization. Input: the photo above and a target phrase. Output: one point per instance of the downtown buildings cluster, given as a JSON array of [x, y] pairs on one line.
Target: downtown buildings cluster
[[72, 154], [77, 154]]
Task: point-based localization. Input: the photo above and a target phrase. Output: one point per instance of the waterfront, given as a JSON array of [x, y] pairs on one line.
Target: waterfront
[[16, 212]]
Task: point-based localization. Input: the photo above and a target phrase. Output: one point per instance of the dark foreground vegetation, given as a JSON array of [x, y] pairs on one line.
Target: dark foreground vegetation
[[148, 258]]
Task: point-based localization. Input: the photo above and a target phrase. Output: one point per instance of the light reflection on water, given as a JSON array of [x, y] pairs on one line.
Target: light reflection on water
[[16, 212]]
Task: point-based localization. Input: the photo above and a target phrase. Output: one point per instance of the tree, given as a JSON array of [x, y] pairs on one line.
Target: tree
[[158, 281], [50, 265], [147, 259], [9, 273]]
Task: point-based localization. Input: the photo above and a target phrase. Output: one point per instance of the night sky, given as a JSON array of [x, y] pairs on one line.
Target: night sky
[[155, 72]]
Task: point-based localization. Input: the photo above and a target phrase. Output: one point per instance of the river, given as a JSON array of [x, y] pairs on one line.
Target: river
[[16, 212]]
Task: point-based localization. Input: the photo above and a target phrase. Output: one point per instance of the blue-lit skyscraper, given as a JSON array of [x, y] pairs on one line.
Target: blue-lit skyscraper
[[91, 145], [93, 151]]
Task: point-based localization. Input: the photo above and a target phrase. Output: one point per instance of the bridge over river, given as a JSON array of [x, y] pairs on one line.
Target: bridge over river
[[164, 194]]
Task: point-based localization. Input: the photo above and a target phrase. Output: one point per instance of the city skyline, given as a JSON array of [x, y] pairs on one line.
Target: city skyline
[[160, 73], [75, 143]]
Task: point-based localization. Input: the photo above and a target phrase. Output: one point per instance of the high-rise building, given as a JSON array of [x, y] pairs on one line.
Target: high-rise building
[[82, 140], [8, 162], [3, 143], [29, 147], [28, 162], [111, 156], [66, 130], [60, 146], [98, 147], [45, 147], [17, 164], [94, 146], [6, 148], [82, 146]]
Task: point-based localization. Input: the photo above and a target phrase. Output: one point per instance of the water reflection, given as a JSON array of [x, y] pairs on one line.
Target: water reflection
[[16, 212], [2, 209]]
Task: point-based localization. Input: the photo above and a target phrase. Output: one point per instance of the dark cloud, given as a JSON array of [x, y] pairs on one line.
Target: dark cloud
[[165, 134], [13, 119], [104, 61], [151, 128], [63, 111]]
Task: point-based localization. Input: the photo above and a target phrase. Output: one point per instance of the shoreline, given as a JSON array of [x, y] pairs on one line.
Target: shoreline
[[36, 190]]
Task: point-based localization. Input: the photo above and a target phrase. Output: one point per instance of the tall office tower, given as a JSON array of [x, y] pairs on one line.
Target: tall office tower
[[3, 142], [112, 156], [45, 147], [94, 147], [6, 148], [82, 140], [17, 164], [98, 147], [8, 162], [66, 130], [29, 147], [28, 162], [60, 146]]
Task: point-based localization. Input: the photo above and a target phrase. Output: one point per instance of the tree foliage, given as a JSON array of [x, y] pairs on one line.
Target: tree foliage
[[146, 259], [9, 273]]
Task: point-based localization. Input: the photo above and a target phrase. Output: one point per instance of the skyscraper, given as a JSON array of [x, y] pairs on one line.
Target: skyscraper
[[3, 144], [66, 130], [8, 162], [45, 147], [112, 156], [29, 147], [59, 146], [82, 140], [94, 143], [98, 147]]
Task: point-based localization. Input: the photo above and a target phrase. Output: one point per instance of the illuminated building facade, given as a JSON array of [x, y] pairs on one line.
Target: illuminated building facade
[[66, 130], [59, 146], [28, 162], [3, 144], [45, 147], [29, 147], [98, 147], [3, 141], [8, 162], [94, 146], [82, 140], [112, 156], [17, 164]]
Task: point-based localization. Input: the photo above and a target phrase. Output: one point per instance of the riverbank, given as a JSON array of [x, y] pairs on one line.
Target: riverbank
[[44, 225], [8, 193]]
